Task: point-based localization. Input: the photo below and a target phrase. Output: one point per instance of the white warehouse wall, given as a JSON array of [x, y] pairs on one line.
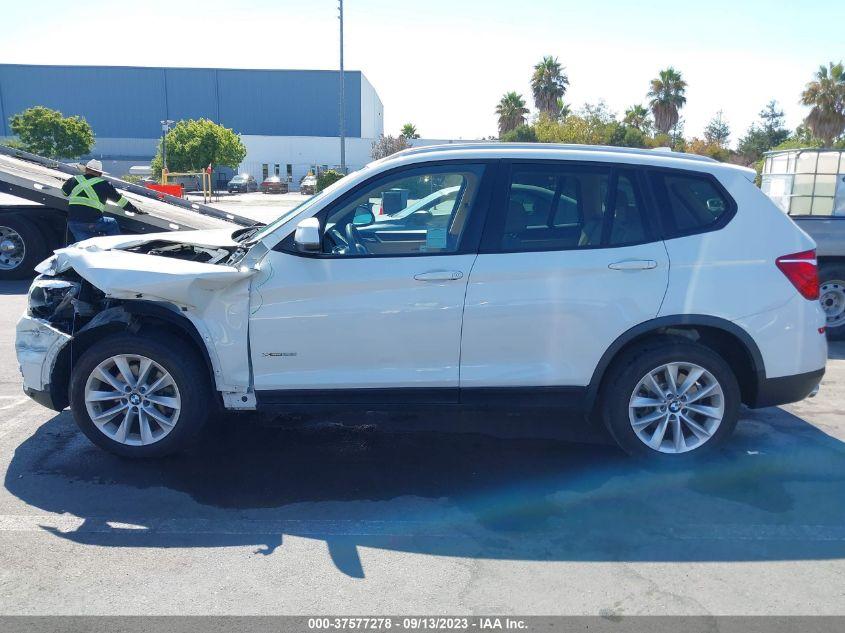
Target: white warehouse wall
[[301, 152], [372, 111]]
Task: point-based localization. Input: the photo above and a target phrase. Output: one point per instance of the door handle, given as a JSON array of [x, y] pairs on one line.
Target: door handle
[[439, 275], [633, 264]]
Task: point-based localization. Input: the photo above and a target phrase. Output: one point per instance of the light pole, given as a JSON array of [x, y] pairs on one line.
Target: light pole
[[342, 101], [165, 128]]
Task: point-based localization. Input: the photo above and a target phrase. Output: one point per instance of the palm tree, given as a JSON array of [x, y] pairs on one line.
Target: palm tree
[[563, 109], [826, 95], [667, 98], [548, 83], [638, 116], [409, 131], [511, 111]]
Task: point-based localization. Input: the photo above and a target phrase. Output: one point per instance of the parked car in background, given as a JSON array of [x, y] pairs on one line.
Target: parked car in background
[[308, 186], [242, 183], [627, 288], [274, 184], [809, 185]]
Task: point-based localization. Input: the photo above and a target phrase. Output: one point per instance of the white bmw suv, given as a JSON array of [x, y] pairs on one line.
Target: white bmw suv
[[649, 293]]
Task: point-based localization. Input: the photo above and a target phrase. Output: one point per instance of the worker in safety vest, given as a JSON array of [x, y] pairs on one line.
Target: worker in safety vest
[[87, 195]]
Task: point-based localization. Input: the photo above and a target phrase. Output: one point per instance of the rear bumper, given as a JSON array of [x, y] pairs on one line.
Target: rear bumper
[[785, 389]]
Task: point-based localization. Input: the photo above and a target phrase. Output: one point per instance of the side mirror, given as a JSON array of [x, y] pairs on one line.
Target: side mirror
[[363, 216], [307, 237]]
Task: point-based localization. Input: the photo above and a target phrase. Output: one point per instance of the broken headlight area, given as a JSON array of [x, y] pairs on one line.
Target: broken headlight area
[[58, 300]]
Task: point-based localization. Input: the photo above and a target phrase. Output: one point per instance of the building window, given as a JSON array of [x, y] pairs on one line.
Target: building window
[[265, 171], [277, 170], [290, 172]]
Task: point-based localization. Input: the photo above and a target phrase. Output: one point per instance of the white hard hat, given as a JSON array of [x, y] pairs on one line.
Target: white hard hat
[[94, 165]]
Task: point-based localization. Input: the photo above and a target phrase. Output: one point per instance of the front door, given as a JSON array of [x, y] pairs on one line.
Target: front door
[[380, 307], [568, 263]]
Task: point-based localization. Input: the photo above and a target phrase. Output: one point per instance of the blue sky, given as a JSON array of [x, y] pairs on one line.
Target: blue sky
[[444, 64]]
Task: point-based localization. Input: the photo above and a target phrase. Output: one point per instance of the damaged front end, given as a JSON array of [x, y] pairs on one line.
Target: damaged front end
[[190, 282]]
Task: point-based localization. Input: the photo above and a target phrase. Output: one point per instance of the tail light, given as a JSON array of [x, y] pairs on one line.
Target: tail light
[[802, 271]]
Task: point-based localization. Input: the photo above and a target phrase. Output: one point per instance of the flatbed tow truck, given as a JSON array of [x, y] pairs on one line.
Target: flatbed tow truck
[[34, 222]]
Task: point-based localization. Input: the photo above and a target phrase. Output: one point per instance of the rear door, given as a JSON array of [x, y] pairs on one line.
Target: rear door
[[570, 259]]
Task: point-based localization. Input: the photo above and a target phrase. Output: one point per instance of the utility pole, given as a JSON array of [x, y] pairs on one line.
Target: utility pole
[[342, 99], [165, 128]]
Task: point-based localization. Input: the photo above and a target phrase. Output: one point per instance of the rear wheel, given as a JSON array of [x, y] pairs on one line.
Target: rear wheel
[[832, 299], [670, 401], [22, 247], [138, 396]]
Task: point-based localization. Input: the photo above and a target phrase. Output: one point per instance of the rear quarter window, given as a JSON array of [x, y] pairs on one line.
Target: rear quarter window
[[690, 203]]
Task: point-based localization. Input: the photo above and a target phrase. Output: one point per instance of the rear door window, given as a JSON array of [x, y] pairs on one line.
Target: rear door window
[[561, 207], [690, 203]]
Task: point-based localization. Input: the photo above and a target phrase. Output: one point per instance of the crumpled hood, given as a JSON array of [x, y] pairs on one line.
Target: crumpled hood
[[127, 275], [216, 238]]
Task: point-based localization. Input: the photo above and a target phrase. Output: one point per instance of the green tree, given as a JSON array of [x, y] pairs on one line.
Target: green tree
[[520, 134], [717, 132], [409, 131], [773, 123], [563, 110], [826, 97], [638, 117], [548, 84], [763, 136], [511, 111], [667, 96], [326, 178], [47, 132], [194, 144]]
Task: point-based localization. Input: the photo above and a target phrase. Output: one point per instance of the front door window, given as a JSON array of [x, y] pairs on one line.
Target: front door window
[[421, 211]]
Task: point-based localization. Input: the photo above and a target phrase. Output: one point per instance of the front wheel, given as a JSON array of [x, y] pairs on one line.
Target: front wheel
[[670, 401], [140, 396]]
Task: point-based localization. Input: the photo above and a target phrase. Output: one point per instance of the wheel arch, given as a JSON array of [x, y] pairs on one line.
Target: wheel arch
[[131, 316], [727, 339]]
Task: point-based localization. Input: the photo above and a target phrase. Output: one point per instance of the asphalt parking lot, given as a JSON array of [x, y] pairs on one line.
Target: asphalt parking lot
[[262, 207], [358, 521]]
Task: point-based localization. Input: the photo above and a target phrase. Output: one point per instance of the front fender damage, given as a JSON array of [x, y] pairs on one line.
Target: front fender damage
[[214, 298]]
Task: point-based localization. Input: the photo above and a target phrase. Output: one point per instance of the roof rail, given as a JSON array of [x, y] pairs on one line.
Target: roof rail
[[425, 149]]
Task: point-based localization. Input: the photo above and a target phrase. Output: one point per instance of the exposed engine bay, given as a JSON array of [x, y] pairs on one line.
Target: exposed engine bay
[[186, 252]]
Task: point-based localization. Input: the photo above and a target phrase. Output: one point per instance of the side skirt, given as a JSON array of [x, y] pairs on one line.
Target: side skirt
[[553, 412]]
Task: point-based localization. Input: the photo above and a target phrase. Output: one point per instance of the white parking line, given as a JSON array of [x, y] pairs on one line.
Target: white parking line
[[16, 401]]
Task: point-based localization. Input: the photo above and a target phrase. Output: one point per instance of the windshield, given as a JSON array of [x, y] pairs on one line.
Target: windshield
[[286, 217], [430, 203], [239, 179]]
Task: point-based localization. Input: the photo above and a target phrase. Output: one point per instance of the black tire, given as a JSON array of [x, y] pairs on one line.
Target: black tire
[[833, 274], [34, 243], [179, 359], [627, 371]]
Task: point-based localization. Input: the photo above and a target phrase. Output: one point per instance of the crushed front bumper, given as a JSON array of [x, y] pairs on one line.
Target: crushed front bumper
[[38, 344]]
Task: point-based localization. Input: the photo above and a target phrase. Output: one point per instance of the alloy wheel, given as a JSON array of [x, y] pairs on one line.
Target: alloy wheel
[[132, 399], [676, 407]]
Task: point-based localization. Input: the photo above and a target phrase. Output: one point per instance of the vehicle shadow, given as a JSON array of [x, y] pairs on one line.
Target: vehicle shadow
[[777, 493]]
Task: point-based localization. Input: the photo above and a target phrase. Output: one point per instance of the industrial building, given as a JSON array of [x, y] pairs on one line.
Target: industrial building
[[288, 119]]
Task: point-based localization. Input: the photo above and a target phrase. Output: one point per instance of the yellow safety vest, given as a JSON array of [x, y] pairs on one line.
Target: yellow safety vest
[[83, 194]]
